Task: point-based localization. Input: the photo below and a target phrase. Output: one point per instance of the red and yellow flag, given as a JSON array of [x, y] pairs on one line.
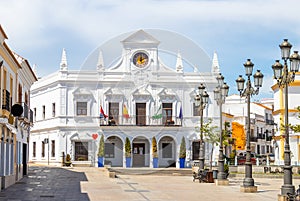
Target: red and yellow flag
[[125, 112]]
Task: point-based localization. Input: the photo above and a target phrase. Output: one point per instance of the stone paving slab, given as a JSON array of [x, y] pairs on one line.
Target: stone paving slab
[[93, 184]]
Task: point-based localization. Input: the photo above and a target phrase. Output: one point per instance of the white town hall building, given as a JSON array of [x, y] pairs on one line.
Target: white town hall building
[[140, 93]]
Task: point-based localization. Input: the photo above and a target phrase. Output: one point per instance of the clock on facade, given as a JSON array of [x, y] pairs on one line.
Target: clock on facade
[[140, 59]]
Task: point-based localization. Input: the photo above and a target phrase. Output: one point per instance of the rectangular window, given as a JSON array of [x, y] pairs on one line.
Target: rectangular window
[[52, 148], [109, 150], [81, 108], [81, 151], [34, 149], [34, 115], [114, 112], [20, 93], [43, 149], [53, 109], [167, 150], [167, 113], [196, 110], [44, 112]]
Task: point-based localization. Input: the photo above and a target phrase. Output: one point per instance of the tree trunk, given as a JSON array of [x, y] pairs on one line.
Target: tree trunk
[[211, 155]]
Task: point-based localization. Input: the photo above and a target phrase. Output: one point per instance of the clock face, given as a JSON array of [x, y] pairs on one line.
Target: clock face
[[140, 59]]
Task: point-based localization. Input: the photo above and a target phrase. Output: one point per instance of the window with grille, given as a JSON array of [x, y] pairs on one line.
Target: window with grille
[[196, 110], [52, 148], [53, 109], [81, 108], [109, 150], [43, 149], [167, 150], [44, 112], [34, 149]]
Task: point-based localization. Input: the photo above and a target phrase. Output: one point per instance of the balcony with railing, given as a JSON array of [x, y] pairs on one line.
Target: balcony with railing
[[25, 111], [141, 120], [6, 100], [269, 138], [253, 139], [269, 121], [31, 116]]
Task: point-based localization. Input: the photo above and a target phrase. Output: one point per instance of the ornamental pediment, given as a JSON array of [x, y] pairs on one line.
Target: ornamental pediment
[[83, 93], [141, 95], [114, 94], [168, 95]]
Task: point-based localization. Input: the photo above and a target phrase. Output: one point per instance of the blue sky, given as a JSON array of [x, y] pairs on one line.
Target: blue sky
[[236, 30]]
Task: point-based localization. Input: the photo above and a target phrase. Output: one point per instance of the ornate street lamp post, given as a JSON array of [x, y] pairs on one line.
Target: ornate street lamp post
[[220, 93], [248, 182], [284, 77], [201, 100]]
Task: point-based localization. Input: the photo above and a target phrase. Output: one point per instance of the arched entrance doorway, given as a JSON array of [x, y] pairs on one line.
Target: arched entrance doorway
[[113, 151], [140, 152], [167, 152]]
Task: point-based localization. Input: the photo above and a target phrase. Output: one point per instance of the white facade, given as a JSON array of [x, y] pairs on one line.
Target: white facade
[[16, 78], [261, 118], [279, 118], [131, 92]]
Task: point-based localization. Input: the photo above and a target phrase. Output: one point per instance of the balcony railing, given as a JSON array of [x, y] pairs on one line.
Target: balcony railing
[[6, 100], [30, 116], [25, 110], [269, 122], [269, 138], [141, 120]]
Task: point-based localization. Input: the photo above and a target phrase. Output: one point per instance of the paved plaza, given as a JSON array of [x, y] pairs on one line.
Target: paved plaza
[[88, 183]]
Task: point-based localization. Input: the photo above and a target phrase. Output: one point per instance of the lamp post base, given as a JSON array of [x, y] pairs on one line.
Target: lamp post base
[[282, 197], [287, 188], [248, 189], [221, 182]]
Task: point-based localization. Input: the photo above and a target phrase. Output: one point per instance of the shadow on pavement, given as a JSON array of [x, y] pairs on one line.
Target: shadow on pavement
[[47, 183]]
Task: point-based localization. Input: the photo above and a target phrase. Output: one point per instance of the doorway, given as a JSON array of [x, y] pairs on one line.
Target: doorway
[[24, 157], [140, 114], [81, 151], [138, 155]]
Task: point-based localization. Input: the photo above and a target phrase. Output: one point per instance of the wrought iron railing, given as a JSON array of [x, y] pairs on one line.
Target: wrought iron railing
[[30, 116], [6, 100]]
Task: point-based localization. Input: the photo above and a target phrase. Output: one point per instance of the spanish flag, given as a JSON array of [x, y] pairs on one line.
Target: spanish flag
[[102, 114], [125, 112]]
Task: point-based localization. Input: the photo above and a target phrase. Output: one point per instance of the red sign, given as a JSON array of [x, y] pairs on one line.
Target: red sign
[[95, 136]]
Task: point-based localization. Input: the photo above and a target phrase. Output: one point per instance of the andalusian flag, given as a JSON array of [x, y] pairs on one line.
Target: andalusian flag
[[125, 112], [158, 113]]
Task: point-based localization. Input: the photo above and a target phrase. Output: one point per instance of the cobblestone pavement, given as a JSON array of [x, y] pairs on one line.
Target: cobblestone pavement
[[45, 183]]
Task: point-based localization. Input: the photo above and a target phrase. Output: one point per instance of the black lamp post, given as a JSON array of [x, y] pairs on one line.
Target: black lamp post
[[201, 100], [248, 182], [284, 77], [220, 93]]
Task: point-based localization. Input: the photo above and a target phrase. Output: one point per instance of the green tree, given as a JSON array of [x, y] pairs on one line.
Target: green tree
[[182, 152], [127, 148], [212, 136], [101, 147], [154, 148]]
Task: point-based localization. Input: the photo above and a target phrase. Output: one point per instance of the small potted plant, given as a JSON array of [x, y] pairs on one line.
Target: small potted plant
[[154, 153], [68, 160], [128, 152], [101, 152], [182, 153]]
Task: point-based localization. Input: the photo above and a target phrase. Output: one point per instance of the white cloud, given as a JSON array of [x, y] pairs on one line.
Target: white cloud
[[233, 28], [30, 21]]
